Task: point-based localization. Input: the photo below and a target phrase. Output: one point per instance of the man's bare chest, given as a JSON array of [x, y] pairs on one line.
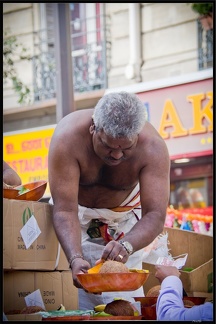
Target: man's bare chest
[[116, 178]]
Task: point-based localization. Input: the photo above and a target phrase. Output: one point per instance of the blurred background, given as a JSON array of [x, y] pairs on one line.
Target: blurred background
[[61, 57]]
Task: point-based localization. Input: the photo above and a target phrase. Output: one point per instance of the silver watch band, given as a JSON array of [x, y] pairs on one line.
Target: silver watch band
[[127, 246]]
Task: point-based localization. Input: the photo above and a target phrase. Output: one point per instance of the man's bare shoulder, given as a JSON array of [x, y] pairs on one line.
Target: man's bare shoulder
[[74, 123], [71, 133], [153, 144]]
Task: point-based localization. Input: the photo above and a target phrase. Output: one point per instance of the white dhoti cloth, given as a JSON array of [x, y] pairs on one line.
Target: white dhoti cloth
[[118, 221]]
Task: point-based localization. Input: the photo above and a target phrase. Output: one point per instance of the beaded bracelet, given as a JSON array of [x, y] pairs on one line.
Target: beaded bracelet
[[73, 257]]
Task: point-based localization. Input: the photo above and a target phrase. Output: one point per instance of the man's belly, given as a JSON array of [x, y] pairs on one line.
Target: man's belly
[[102, 197]]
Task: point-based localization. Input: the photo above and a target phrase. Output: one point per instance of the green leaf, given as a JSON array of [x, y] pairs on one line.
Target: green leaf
[[202, 8], [13, 49]]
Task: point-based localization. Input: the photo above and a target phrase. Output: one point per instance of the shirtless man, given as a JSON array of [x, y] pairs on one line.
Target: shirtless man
[[108, 164]]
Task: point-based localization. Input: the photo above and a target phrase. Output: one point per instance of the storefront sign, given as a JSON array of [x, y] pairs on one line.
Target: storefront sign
[[183, 115], [27, 153]]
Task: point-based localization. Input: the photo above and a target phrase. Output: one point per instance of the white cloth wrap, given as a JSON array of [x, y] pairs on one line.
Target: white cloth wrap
[[92, 248]]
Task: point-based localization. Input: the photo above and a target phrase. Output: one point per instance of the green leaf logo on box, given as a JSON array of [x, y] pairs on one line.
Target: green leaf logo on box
[[26, 215]]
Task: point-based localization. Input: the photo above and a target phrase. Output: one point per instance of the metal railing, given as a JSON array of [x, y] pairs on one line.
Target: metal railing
[[205, 47], [90, 62]]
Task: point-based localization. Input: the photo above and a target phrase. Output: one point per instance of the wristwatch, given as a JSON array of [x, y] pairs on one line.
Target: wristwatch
[[127, 246]]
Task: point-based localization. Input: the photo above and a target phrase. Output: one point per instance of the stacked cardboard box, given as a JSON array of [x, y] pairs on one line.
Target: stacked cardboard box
[[56, 288], [42, 266], [199, 247]]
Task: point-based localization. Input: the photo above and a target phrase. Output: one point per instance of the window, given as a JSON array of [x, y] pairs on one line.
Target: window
[[88, 46], [90, 49], [205, 47]]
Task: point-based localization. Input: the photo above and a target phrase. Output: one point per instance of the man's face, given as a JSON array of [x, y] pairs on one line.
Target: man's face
[[111, 150]]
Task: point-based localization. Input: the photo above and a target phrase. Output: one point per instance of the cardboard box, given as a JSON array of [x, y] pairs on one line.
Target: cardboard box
[[55, 287], [42, 253], [18, 284], [62, 263], [200, 257], [200, 279], [70, 292]]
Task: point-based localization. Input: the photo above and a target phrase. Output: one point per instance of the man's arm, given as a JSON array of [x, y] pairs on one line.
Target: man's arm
[[154, 179], [64, 175], [154, 195]]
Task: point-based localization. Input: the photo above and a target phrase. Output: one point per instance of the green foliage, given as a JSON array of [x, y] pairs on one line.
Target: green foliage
[[202, 8], [13, 51]]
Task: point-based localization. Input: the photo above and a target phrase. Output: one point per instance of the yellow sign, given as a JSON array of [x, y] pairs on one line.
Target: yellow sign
[[27, 153]]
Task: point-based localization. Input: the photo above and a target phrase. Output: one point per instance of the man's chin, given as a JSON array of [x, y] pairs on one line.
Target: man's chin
[[113, 162]]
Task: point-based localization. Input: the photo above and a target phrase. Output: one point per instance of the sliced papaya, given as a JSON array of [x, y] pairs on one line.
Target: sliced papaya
[[96, 268]]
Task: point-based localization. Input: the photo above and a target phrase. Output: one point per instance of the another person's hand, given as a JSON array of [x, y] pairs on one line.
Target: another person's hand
[[163, 271], [10, 177], [6, 186]]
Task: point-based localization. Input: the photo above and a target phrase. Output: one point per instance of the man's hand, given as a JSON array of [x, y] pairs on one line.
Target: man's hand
[[79, 266], [164, 271], [114, 251], [6, 186]]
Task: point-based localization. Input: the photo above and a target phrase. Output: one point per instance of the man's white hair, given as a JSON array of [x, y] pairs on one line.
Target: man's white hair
[[120, 115]]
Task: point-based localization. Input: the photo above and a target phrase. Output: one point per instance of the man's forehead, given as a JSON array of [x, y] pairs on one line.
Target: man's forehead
[[121, 142]]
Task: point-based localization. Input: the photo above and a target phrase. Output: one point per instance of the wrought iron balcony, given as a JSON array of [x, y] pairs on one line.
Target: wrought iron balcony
[[90, 61], [205, 47]]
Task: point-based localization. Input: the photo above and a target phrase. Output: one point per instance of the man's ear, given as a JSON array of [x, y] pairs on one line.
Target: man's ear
[[92, 129]]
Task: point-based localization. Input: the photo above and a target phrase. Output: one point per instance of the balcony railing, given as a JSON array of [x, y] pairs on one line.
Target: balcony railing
[[205, 47], [90, 62], [89, 68]]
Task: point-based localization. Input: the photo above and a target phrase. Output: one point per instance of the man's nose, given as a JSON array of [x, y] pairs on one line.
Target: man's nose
[[117, 154]]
